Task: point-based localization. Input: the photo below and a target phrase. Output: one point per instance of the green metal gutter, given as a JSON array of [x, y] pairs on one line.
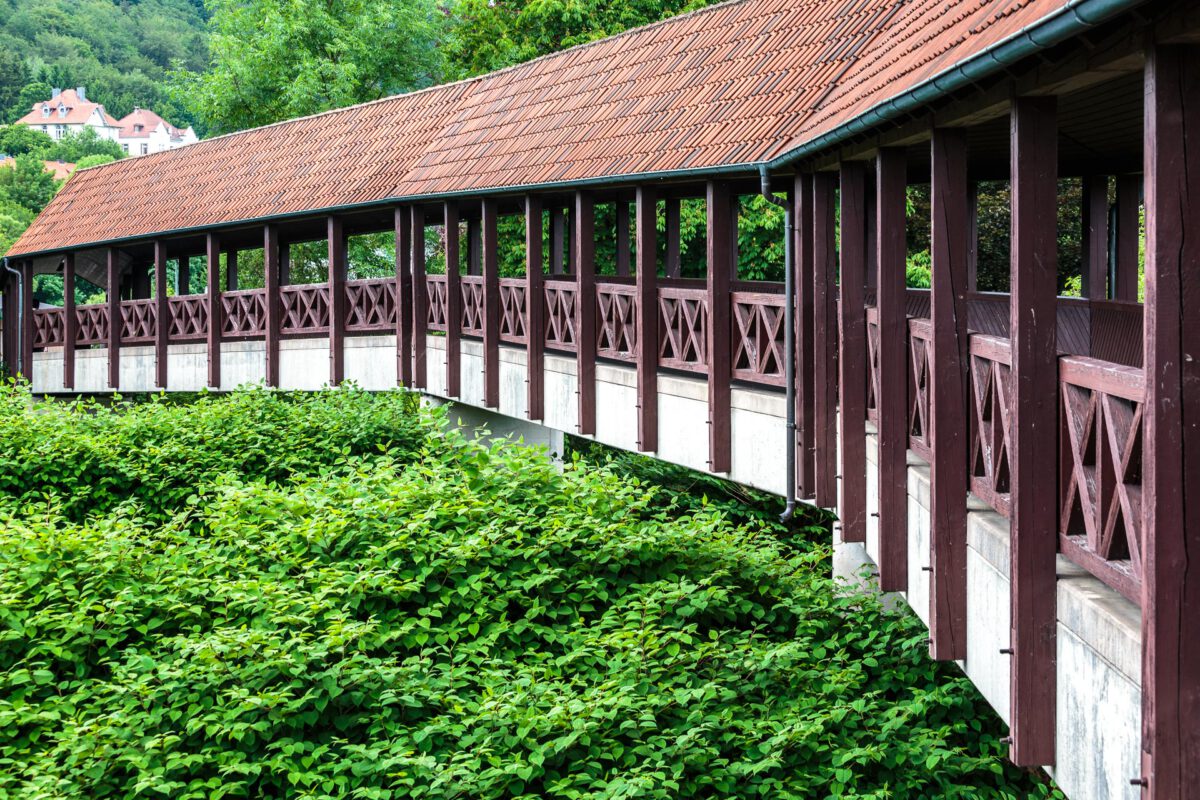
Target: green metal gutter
[[1071, 20]]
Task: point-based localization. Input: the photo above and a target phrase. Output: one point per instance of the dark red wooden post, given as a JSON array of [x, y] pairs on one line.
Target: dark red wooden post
[[1170, 580], [474, 245], [10, 323], [1094, 237], [231, 271], [491, 304], [802, 197], [824, 340], [285, 264], [70, 321], [1129, 191], [972, 236], [558, 240], [720, 267], [337, 299], [535, 303], [647, 319], [671, 232], [852, 353], [420, 295], [623, 255], [583, 262], [453, 303], [162, 315], [1034, 511], [183, 276], [272, 282], [950, 237], [113, 300], [403, 232], [891, 287], [215, 322], [27, 334]]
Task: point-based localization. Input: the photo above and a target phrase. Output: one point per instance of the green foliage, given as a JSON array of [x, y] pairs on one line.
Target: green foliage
[[76, 146], [18, 139], [91, 457], [918, 270], [459, 622], [94, 161], [273, 61], [27, 184]]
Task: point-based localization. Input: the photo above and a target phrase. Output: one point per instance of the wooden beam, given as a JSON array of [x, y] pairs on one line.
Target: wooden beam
[[491, 303], [535, 304], [10, 324], [806, 472], [183, 276], [420, 299], [647, 319], [972, 233], [474, 245], [162, 314], [891, 290], [721, 266], [852, 353], [231, 271], [272, 280], [558, 240], [285, 264], [27, 334], [623, 248], [1125, 278], [336, 239], [1171, 471], [824, 340], [672, 233], [950, 249], [453, 301], [402, 220], [215, 318], [1094, 237], [71, 320], [1034, 512], [113, 301], [583, 263]]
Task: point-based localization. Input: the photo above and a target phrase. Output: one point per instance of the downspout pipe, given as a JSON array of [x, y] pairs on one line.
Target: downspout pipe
[[20, 314], [789, 336]]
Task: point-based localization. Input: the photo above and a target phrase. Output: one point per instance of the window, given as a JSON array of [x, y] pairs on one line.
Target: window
[[125, 147], [145, 149], [60, 131], [62, 111], [45, 110]]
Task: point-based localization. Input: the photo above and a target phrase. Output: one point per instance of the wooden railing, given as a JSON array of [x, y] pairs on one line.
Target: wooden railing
[[514, 311], [371, 305], [920, 375], [990, 380], [93, 324], [560, 315], [305, 309], [48, 327], [189, 318], [758, 341], [616, 319], [244, 314], [471, 323], [138, 321], [683, 328], [436, 308], [873, 364]]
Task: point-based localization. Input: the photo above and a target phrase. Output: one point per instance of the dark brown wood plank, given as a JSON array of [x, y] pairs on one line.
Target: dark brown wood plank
[[272, 280], [558, 240], [183, 276], [71, 321], [852, 353], [27, 333], [824, 340], [403, 234], [1094, 237], [336, 240], [647, 318], [420, 299], [583, 263], [474, 247], [950, 242], [231, 271], [671, 232], [623, 248], [806, 473], [213, 264], [285, 263], [491, 303], [9, 299], [720, 268], [1125, 283], [162, 315], [1171, 466], [972, 236], [1034, 505], [453, 302], [891, 291], [535, 304]]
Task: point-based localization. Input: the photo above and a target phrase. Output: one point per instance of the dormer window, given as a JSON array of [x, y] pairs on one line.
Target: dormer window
[[62, 111], [45, 110], [138, 128]]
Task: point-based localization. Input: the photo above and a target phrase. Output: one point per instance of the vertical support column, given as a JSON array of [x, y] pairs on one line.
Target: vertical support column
[[583, 261], [183, 276], [272, 273], [891, 289], [802, 197], [285, 264], [824, 341], [215, 323], [140, 283], [1171, 471], [647, 319], [972, 236], [1034, 512], [231, 271], [623, 255], [10, 322], [671, 231], [558, 240], [1094, 237], [420, 295], [950, 237], [71, 321], [27, 333], [491, 304], [852, 353], [337, 299], [453, 302], [474, 244], [1125, 278], [162, 314], [721, 266], [403, 226], [112, 298], [535, 304]]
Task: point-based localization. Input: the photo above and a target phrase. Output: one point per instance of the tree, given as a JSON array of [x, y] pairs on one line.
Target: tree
[[76, 146], [274, 61], [13, 77], [94, 160], [18, 139], [27, 183]]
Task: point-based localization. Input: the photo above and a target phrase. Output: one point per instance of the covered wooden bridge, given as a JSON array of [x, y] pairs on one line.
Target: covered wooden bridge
[[1016, 463]]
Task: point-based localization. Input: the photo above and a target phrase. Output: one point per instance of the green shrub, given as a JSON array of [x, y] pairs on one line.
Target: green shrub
[[473, 624], [91, 457]]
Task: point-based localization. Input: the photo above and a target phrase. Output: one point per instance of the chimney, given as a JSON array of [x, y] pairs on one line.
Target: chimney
[[81, 91], [54, 93]]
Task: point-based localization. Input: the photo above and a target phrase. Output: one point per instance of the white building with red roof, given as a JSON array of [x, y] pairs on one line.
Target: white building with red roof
[[143, 131], [68, 111]]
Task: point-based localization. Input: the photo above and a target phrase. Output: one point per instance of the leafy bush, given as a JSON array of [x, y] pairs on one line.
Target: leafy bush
[[91, 457], [470, 623]]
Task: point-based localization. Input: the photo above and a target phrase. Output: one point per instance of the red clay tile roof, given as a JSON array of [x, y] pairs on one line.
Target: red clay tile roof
[[148, 120], [731, 85], [78, 111]]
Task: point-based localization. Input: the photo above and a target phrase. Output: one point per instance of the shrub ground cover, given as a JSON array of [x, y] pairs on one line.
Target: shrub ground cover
[[421, 616]]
